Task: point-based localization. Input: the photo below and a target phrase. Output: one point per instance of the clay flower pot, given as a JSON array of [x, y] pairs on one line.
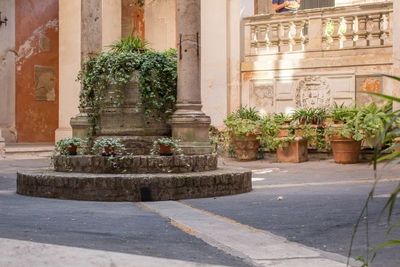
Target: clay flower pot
[[71, 150], [246, 147], [109, 151], [295, 152], [165, 150], [345, 150]]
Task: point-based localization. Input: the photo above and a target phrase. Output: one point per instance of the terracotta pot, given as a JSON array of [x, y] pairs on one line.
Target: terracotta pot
[[246, 147], [71, 150], [296, 151], [345, 150], [109, 151], [165, 150], [284, 131]]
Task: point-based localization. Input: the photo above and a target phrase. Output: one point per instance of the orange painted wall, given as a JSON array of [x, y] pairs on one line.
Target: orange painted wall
[[132, 19], [36, 23]]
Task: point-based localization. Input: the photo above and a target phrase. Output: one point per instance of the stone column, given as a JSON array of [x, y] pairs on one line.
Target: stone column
[[189, 123], [69, 64], [91, 43], [7, 72], [315, 31], [100, 25]]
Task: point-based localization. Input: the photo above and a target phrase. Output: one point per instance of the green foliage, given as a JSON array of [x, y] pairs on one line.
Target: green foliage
[[112, 71], [390, 130], [243, 122], [361, 122], [330, 27], [368, 121], [166, 141], [158, 82], [247, 113], [281, 118], [133, 44], [108, 147], [62, 145], [341, 112], [269, 129], [310, 115]]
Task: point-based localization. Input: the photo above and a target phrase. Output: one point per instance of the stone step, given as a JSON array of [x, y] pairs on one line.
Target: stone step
[[28, 150]]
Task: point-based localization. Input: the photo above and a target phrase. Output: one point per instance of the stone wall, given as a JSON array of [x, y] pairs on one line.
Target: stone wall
[[135, 164], [131, 187], [317, 57]]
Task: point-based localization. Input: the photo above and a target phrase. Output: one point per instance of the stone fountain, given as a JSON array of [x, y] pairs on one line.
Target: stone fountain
[[147, 178]]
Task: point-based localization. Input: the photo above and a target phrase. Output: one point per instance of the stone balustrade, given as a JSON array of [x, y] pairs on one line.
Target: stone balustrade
[[361, 26]]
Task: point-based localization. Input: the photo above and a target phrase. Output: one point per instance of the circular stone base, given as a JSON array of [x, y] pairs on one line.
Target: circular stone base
[[133, 187], [135, 164]]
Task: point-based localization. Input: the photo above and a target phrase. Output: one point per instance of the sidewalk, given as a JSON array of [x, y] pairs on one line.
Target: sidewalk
[[27, 150]]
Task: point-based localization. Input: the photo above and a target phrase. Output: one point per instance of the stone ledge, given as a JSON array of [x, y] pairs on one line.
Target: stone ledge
[[136, 164], [133, 187]]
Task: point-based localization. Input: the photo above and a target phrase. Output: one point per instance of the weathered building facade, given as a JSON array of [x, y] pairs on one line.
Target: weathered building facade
[[249, 55]]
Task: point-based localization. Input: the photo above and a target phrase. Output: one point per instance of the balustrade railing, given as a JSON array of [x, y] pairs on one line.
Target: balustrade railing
[[360, 26]]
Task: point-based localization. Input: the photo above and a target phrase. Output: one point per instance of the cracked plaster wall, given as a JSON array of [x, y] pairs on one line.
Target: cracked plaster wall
[[36, 66]]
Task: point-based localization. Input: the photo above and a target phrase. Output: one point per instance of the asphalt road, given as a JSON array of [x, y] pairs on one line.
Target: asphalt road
[[320, 202]]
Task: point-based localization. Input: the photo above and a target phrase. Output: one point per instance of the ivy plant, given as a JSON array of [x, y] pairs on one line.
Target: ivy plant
[[113, 70]]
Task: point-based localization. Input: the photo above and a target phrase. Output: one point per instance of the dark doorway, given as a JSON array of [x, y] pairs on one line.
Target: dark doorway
[[310, 4]]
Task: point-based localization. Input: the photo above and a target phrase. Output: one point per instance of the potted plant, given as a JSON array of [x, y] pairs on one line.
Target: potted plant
[[166, 146], [362, 123], [245, 132], [283, 121], [292, 147], [108, 147], [340, 113], [310, 115], [68, 146]]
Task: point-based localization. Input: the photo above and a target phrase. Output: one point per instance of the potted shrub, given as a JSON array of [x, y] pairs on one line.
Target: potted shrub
[[67, 146], [166, 146], [314, 119], [293, 146], [362, 123], [108, 147], [245, 132]]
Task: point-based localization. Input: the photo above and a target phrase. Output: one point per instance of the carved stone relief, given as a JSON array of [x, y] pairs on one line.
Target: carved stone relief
[[44, 83], [313, 91], [262, 96]]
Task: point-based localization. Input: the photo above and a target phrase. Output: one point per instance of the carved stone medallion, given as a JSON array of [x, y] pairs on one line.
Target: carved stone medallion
[[313, 91]]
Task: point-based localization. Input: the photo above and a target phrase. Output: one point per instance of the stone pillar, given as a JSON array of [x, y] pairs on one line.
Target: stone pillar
[[69, 64], [189, 123], [100, 25], [91, 43], [7, 72], [315, 31]]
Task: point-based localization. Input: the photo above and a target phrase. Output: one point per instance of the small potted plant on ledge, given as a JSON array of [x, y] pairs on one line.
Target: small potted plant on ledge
[[245, 132], [108, 147], [166, 146], [68, 146]]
